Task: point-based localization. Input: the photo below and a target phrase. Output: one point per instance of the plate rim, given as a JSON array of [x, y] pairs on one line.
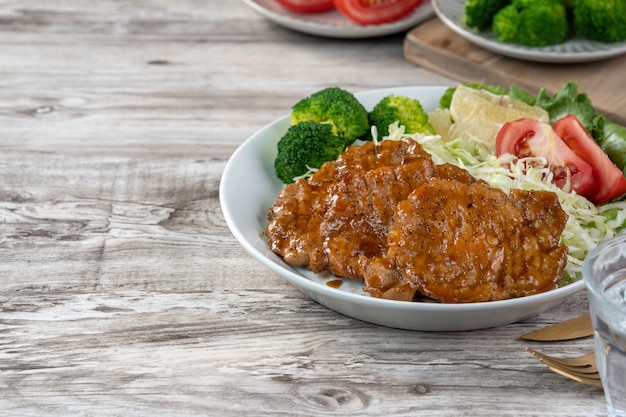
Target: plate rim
[[301, 24], [535, 54], [315, 289]]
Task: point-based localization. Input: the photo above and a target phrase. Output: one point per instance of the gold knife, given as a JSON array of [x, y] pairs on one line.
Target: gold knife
[[571, 329]]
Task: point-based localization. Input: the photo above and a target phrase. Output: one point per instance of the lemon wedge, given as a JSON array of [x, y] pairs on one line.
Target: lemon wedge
[[441, 121], [479, 114]]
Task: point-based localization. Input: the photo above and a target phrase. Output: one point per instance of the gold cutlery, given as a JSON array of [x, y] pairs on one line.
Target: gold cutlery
[[571, 329], [581, 369]]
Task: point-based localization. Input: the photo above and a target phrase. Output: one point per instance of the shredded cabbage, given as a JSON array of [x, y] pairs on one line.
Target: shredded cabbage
[[587, 224]]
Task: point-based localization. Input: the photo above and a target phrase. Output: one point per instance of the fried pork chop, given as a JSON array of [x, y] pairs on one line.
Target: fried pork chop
[[457, 242], [343, 210], [387, 214]]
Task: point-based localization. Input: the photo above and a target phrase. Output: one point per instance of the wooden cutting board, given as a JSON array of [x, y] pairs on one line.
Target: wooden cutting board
[[434, 46]]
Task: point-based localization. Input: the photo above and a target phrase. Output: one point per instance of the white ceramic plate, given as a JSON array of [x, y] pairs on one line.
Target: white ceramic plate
[[451, 12], [333, 23], [249, 186]]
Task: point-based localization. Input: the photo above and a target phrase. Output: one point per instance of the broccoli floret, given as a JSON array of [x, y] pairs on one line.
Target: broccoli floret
[[408, 112], [336, 106], [304, 146], [532, 23], [600, 20], [479, 13]]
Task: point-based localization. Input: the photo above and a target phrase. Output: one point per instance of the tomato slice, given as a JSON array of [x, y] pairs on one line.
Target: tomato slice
[[307, 6], [374, 12], [610, 181], [529, 137]]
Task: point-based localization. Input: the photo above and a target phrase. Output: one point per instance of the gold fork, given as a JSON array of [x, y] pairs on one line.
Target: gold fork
[[582, 369]]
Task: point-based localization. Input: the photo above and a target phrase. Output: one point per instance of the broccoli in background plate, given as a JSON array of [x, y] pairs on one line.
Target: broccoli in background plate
[[532, 22], [479, 13], [600, 20], [548, 22]]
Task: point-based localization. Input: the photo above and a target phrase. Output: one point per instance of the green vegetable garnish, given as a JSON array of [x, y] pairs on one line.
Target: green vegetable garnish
[[408, 112], [335, 106], [305, 147], [613, 143]]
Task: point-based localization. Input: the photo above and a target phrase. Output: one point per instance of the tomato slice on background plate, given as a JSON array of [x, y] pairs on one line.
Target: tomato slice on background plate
[[529, 137], [610, 181], [374, 12], [307, 6]]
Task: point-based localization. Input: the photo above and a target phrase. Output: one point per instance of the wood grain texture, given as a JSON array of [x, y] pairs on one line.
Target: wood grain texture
[[122, 291]]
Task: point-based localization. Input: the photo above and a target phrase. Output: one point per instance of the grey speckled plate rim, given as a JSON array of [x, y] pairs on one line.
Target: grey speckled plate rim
[[574, 50]]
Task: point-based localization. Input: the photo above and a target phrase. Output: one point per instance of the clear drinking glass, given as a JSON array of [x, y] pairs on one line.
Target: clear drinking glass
[[604, 272]]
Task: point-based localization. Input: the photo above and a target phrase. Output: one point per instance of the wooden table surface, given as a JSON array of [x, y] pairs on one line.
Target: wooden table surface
[[122, 290]]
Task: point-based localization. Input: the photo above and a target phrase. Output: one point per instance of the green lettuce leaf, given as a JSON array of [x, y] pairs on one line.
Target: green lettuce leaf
[[568, 101], [613, 143]]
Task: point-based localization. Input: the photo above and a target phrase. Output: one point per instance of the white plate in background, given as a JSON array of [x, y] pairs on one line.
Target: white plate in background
[[333, 24], [452, 13]]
